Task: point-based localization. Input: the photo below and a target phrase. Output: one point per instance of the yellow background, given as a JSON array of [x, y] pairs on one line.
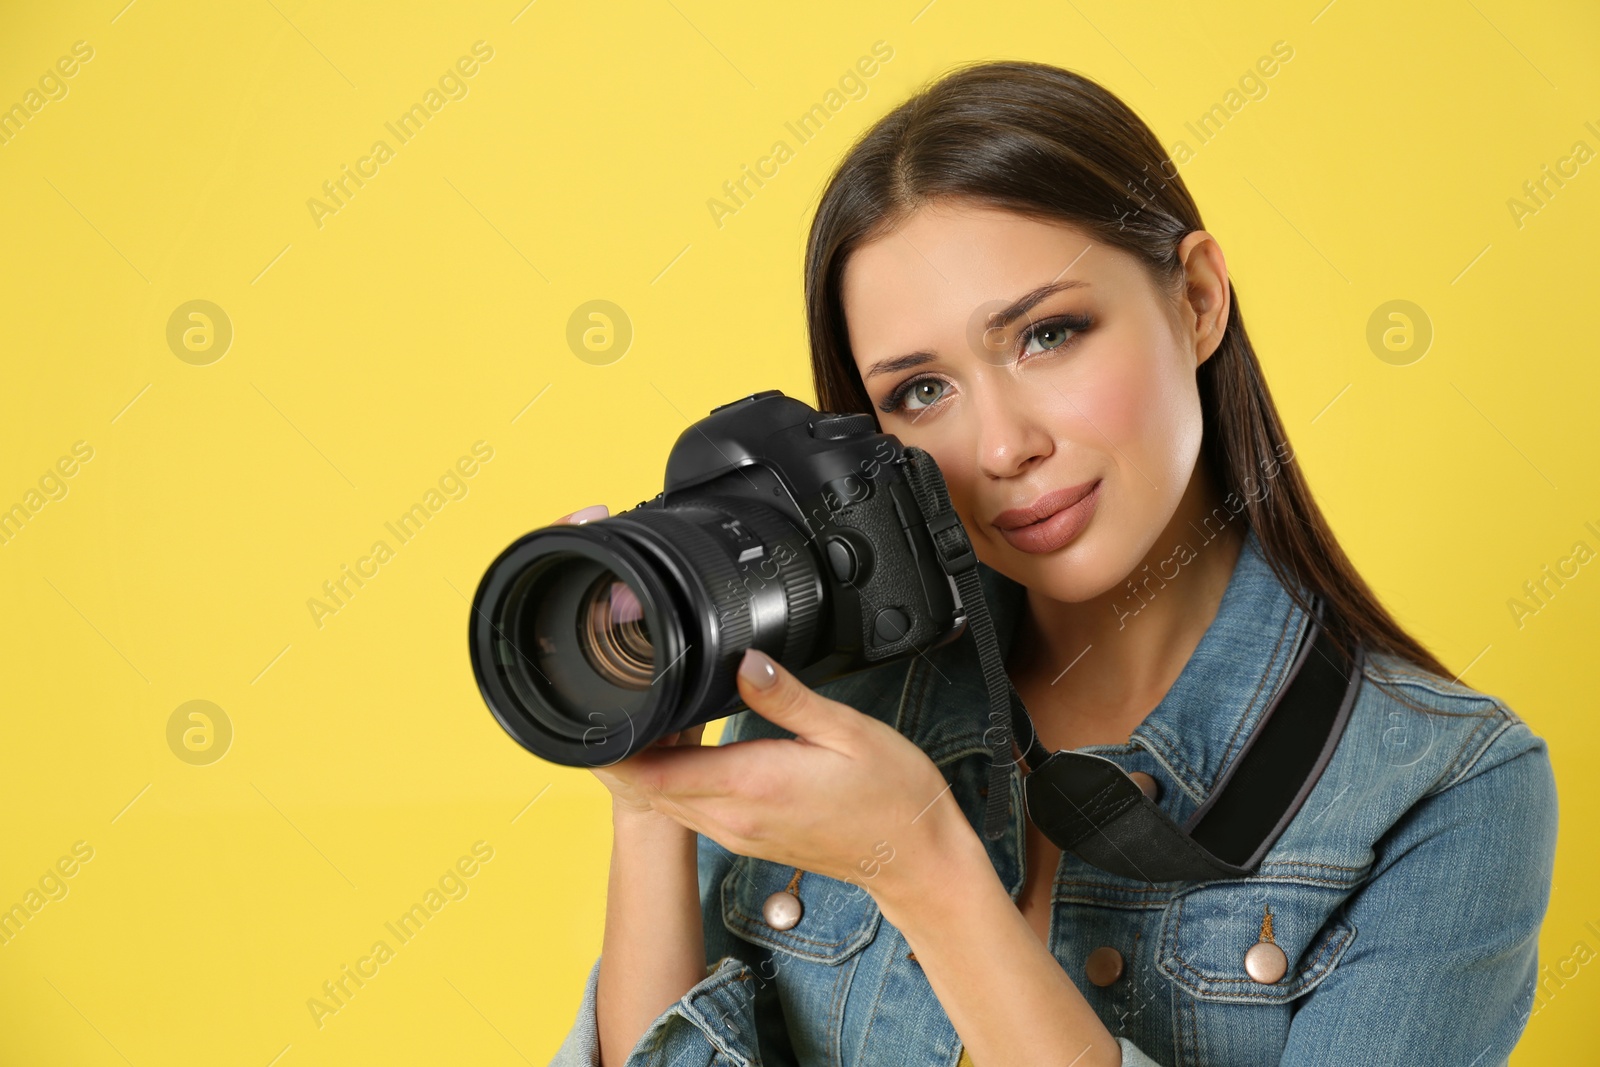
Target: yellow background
[[371, 352]]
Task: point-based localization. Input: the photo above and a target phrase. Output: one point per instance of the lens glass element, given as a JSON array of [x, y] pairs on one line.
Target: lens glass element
[[614, 634]]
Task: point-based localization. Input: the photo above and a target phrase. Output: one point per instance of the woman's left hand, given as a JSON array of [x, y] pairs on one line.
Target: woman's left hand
[[849, 797]]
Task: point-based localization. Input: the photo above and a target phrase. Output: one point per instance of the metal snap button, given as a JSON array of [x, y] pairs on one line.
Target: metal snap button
[[1145, 782], [783, 909], [1264, 961], [1103, 966]]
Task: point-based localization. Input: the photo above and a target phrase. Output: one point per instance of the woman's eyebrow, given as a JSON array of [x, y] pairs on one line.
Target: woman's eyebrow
[[897, 363], [1004, 317]]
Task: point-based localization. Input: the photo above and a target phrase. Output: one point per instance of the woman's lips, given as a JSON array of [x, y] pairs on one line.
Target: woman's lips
[[1060, 527]]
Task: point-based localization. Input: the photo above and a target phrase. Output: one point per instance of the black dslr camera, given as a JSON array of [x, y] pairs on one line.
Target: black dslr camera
[[808, 535]]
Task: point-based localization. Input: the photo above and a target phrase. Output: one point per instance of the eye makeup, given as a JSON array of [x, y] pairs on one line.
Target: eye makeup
[[1075, 323]]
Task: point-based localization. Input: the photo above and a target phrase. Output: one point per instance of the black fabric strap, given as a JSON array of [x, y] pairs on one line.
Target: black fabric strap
[[959, 561], [1088, 805]]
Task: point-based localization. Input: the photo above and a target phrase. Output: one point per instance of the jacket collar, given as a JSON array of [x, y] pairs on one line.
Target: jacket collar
[[1193, 733]]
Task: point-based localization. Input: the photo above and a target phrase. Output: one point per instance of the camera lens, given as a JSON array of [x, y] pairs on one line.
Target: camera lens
[[590, 642], [571, 654]]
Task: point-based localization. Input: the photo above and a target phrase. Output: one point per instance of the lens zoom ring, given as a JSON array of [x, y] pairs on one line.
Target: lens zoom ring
[[798, 574], [710, 560], [802, 590]]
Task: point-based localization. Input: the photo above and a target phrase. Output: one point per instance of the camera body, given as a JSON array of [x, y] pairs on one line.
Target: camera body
[[779, 527]]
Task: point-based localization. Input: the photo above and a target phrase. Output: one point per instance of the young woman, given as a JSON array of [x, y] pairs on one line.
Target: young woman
[[1008, 272]]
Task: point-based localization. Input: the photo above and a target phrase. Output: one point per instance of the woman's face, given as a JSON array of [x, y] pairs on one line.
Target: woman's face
[[1088, 394]]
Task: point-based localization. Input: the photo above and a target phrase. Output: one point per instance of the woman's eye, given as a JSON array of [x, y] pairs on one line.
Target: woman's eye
[[1048, 335], [927, 391]]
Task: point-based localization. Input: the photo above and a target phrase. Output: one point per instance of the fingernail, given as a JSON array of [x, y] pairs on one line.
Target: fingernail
[[758, 669], [588, 514]]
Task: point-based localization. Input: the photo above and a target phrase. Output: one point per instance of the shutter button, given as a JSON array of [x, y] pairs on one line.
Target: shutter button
[[1103, 966], [1265, 962], [783, 908]]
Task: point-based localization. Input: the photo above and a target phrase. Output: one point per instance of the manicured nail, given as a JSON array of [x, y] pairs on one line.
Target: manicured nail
[[758, 669], [588, 514]]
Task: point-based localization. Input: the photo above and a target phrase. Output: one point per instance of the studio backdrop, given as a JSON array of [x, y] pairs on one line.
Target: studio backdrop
[[307, 309]]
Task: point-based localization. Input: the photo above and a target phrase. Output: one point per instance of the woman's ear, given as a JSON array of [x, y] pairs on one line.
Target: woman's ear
[[1206, 292]]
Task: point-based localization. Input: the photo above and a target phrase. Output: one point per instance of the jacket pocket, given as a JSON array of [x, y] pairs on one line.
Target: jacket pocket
[[1207, 931], [837, 919]]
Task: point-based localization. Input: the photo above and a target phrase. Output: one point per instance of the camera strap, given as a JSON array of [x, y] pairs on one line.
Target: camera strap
[[1088, 805]]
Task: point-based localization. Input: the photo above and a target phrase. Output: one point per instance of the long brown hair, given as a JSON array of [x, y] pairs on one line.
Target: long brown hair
[[1051, 144]]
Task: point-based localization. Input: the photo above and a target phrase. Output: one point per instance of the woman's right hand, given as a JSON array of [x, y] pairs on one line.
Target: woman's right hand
[[625, 799]]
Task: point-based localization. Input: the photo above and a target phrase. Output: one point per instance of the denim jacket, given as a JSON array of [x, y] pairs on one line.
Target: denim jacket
[[1407, 892]]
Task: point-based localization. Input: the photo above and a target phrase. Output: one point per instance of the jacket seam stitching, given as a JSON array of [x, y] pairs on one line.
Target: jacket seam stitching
[[1171, 756], [1461, 767], [688, 1009], [1272, 671], [872, 1018], [841, 986], [1431, 683], [908, 715]]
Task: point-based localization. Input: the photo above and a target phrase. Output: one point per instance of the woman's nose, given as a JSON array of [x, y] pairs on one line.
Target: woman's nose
[[1010, 436]]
